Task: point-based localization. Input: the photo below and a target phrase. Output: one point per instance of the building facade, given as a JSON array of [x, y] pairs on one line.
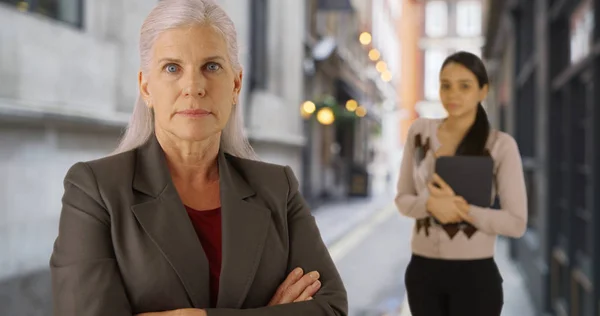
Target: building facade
[[274, 32], [545, 69], [347, 95], [429, 31], [449, 26], [68, 73], [410, 87]]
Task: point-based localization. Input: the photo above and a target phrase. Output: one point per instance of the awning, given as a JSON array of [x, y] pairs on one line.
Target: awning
[[335, 5], [324, 48]]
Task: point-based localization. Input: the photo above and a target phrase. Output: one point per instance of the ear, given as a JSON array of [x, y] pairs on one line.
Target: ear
[[143, 87], [237, 87], [483, 92]]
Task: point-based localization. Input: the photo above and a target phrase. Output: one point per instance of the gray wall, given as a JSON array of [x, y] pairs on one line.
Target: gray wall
[[275, 125], [51, 72], [64, 95]]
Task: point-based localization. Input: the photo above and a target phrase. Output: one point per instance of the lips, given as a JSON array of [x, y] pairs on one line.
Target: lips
[[194, 112]]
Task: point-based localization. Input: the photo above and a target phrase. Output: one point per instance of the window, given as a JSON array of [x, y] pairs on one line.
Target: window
[[258, 45], [473, 49], [582, 31], [468, 18], [433, 64], [69, 11], [436, 18], [396, 8]]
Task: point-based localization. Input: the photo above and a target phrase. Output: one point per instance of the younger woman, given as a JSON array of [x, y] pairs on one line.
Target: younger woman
[[452, 271]]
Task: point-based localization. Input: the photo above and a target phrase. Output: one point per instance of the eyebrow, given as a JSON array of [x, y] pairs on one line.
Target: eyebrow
[[461, 80], [179, 61]]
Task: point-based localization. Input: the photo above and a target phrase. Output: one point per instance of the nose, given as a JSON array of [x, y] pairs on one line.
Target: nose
[[452, 94], [195, 85]]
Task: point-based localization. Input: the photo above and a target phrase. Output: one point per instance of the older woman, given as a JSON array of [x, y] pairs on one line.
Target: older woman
[[182, 220]]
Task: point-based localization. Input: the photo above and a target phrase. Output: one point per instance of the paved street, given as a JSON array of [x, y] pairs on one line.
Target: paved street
[[370, 243], [371, 254]]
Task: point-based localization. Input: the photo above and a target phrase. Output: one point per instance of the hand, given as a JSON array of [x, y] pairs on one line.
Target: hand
[[442, 201], [178, 312], [444, 209], [439, 188], [463, 209], [297, 287]]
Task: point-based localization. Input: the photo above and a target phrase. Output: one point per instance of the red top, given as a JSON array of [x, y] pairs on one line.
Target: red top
[[208, 228]]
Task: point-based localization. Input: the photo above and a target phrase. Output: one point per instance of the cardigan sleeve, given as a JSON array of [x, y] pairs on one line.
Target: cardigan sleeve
[[408, 201], [511, 219]]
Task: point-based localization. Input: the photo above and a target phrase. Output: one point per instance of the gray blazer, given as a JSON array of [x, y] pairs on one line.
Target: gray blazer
[[126, 244]]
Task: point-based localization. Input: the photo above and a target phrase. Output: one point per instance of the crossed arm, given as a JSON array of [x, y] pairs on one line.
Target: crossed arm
[[83, 256]]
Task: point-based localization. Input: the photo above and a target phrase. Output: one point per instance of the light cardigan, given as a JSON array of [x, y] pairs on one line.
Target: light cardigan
[[509, 184]]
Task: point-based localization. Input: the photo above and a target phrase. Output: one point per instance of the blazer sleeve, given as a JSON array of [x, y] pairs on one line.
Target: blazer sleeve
[[85, 277], [307, 251]]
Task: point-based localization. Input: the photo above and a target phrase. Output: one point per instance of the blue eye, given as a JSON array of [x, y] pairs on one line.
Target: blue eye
[[171, 68], [213, 66]]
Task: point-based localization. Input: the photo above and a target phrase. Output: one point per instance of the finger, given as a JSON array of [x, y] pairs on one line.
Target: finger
[[437, 179], [440, 191], [442, 217], [433, 189], [464, 216], [461, 199], [462, 204], [451, 218], [446, 219], [292, 278], [444, 186], [292, 292], [309, 292]]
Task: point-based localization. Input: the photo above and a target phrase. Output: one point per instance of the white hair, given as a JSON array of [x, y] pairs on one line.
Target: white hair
[[170, 14]]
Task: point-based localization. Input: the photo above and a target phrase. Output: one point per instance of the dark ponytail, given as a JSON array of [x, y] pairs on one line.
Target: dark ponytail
[[474, 142]]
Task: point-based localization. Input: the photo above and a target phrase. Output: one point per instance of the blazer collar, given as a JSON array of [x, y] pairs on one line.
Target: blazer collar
[[152, 174], [245, 225]]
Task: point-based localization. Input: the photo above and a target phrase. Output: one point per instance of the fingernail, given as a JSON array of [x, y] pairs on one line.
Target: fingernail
[[314, 275], [298, 271], [310, 298], [317, 284]]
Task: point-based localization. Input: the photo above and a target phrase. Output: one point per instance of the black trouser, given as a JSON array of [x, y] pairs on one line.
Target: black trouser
[[453, 287]]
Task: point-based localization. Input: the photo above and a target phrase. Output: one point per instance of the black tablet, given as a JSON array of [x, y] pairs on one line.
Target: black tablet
[[469, 176]]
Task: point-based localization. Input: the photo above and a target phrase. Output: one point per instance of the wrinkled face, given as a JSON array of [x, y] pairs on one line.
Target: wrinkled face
[[459, 90], [190, 83]]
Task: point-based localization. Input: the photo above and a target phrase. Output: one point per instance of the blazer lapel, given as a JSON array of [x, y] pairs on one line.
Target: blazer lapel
[[245, 228], [166, 222]]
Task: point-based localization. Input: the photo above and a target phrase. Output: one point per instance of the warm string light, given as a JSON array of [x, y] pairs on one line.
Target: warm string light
[[365, 38], [374, 54], [325, 116], [361, 111], [351, 105], [386, 76], [381, 66], [307, 109]]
